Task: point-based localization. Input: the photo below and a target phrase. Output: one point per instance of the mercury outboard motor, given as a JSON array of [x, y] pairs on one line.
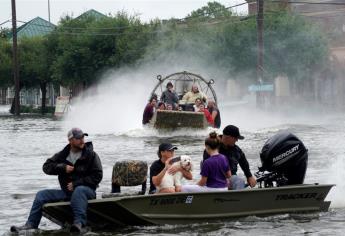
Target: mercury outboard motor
[[284, 161]]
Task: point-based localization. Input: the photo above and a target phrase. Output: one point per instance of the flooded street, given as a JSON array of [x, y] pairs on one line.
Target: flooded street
[[26, 142]]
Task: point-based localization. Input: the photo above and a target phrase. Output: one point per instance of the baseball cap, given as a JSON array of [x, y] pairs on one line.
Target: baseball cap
[[166, 147], [76, 133], [232, 131]]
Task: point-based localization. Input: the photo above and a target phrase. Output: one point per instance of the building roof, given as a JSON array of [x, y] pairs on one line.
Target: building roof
[[91, 13], [35, 27]]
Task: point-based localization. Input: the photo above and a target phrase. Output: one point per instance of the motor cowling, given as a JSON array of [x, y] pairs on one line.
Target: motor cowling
[[286, 157]]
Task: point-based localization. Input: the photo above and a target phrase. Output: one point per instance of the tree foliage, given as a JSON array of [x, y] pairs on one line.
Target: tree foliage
[[5, 63], [85, 47], [80, 49]]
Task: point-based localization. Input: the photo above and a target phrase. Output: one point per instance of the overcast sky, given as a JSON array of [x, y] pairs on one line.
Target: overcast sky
[[145, 9]]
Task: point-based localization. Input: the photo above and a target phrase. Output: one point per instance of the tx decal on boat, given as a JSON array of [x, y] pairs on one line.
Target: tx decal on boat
[[172, 200], [295, 196], [221, 200]]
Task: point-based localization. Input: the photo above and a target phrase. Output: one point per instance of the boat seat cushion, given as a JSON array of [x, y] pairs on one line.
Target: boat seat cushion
[[129, 173]]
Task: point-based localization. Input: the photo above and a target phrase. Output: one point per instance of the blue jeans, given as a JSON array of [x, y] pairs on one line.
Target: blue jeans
[[78, 199]]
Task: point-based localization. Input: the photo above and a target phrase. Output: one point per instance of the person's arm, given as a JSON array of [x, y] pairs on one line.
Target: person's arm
[[157, 179], [54, 166], [251, 181], [214, 114], [228, 174], [202, 181], [209, 118], [175, 97], [163, 97], [245, 167], [95, 174], [187, 174]]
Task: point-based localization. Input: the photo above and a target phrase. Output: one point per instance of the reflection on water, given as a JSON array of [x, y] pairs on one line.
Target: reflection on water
[[28, 141]]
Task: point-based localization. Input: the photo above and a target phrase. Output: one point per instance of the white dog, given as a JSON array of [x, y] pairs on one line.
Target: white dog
[[172, 183]]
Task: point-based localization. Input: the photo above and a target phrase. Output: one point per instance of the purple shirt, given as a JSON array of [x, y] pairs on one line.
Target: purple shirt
[[215, 168]]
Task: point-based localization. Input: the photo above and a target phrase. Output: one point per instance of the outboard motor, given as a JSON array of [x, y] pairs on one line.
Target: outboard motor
[[284, 160]]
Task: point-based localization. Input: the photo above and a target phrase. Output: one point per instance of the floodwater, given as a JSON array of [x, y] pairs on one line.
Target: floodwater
[[26, 142]]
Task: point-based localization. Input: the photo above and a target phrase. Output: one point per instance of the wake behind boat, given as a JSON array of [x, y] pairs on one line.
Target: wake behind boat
[[280, 190]]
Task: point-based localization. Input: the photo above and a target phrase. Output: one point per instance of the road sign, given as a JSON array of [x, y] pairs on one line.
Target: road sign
[[261, 88]]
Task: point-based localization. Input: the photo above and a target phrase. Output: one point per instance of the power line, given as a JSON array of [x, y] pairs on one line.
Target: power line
[[307, 2], [4, 22], [126, 27], [200, 15]]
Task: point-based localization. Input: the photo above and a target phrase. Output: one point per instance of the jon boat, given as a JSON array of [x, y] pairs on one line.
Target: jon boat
[[280, 190], [183, 208], [182, 82]]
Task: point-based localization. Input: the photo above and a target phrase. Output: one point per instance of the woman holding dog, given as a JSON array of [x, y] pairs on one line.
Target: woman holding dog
[[215, 171], [163, 165]]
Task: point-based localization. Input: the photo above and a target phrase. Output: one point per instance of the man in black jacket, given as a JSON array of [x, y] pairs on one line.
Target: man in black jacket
[[169, 96], [79, 172], [235, 156]]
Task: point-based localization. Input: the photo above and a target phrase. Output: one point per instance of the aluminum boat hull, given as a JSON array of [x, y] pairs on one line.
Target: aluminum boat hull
[[183, 208]]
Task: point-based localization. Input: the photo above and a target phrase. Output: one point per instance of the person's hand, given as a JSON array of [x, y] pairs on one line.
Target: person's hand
[[70, 186], [251, 181], [173, 169], [69, 169], [168, 164]]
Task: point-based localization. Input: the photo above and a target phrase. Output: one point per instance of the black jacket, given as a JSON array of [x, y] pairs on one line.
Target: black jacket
[[87, 169], [235, 156]]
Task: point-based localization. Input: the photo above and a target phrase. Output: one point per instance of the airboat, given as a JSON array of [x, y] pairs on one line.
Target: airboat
[[183, 118]]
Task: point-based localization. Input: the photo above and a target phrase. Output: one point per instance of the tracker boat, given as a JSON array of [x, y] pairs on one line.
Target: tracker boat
[[280, 190]]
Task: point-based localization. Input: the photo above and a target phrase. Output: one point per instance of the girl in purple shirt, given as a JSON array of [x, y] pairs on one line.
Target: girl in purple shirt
[[215, 170]]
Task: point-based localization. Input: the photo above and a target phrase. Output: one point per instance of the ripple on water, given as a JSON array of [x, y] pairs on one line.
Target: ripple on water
[[28, 141]]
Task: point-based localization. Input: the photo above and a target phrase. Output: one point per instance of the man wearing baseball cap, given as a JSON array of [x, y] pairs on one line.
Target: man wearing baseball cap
[[235, 156], [158, 168], [79, 171]]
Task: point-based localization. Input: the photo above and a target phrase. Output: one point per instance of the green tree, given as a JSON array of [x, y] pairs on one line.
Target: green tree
[[6, 78], [85, 47], [213, 10], [292, 46], [34, 65]]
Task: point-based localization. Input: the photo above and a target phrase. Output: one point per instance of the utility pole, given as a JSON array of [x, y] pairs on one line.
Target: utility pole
[[260, 52], [15, 60], [49, 10]]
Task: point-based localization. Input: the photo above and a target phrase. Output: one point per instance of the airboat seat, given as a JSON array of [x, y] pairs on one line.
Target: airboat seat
[[128, 173]]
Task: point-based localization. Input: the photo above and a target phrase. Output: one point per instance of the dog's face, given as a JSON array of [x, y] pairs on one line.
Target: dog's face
[[186, 162]]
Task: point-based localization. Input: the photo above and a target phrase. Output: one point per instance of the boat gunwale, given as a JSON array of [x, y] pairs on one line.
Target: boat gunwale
[[118, 198]]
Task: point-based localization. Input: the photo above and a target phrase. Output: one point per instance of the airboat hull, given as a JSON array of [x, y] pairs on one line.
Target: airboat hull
[[179, 119], [184, 208]]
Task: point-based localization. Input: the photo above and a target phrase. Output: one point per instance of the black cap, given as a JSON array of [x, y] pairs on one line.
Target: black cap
[[166, 147], [232, 131], [170, 84]]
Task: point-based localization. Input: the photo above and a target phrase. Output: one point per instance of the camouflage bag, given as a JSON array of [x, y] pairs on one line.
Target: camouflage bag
[[129, 173]]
